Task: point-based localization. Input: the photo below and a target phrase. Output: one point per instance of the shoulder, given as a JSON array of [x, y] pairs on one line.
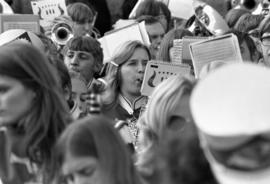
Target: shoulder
[[115, 111]]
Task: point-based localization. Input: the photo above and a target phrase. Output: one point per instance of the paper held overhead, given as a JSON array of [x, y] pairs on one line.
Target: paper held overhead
[[47, 10], [114, 39], [223, 48], [182, 9], [27, 22]]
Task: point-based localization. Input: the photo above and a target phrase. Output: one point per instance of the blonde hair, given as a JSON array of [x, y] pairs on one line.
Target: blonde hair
[[160, 107]]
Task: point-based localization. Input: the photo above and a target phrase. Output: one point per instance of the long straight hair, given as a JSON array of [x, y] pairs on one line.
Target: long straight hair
[[96, 137], [113, 76], [154, 122], [49, 114]]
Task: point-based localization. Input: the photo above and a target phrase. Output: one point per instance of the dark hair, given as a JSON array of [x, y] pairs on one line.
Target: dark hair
[[95, 136], [49, 114], [127, 7], [183, 159], [248, 22], [244, 37], [233, 16], [153, 8], [264, 26], [80, 13], [167, 42], [87, 44], [103, 21], [148, 19]]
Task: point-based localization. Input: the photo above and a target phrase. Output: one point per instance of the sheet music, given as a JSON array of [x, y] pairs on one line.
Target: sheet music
[[222, 48], [158, 71], [114, 39], [47, 10], [27, 22]]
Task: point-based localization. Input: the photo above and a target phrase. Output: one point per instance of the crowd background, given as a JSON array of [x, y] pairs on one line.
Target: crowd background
[[67, 117]]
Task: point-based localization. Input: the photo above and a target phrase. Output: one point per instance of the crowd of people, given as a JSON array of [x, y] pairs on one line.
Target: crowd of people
[[69, 117]]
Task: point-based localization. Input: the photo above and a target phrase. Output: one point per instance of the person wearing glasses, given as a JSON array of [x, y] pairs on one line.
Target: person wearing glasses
[[232, 117]]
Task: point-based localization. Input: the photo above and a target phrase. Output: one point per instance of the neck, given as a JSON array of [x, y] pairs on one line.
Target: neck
[[130, 97], [17, 144]]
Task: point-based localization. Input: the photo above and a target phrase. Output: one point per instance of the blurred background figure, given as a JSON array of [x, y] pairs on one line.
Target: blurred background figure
[[165, 52], [103, 17], [248, 49], [91, 151], [232, 118], [264, 36], [155, 31], [83, 18], [171, 98], [180, 159], [155, 9], [32, 110]]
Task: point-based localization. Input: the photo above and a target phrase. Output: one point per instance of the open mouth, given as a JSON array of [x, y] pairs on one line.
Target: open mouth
[[139, 81]]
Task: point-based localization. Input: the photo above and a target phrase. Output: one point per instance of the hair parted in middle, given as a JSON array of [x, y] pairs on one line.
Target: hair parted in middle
[[113, 77]]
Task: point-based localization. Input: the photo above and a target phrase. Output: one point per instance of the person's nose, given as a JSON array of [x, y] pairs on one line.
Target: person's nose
[[159, 39], [74, 61], [141, 67]]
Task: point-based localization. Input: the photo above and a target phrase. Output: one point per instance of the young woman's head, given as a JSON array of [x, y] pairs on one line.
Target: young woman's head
[[91, 151], [31, 104], [167, 111], [126, 71], [168, 106], [165, 50]]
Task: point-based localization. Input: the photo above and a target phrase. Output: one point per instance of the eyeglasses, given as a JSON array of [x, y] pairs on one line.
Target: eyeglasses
[[265, 41]]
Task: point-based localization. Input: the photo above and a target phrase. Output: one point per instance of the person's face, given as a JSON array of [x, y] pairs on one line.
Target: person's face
[[81, 62], [265, 44], [181, 115], [82, 29], [82, 170], [163, 20], [15, 100], [132, 72], [245, 52], [156, 32]]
